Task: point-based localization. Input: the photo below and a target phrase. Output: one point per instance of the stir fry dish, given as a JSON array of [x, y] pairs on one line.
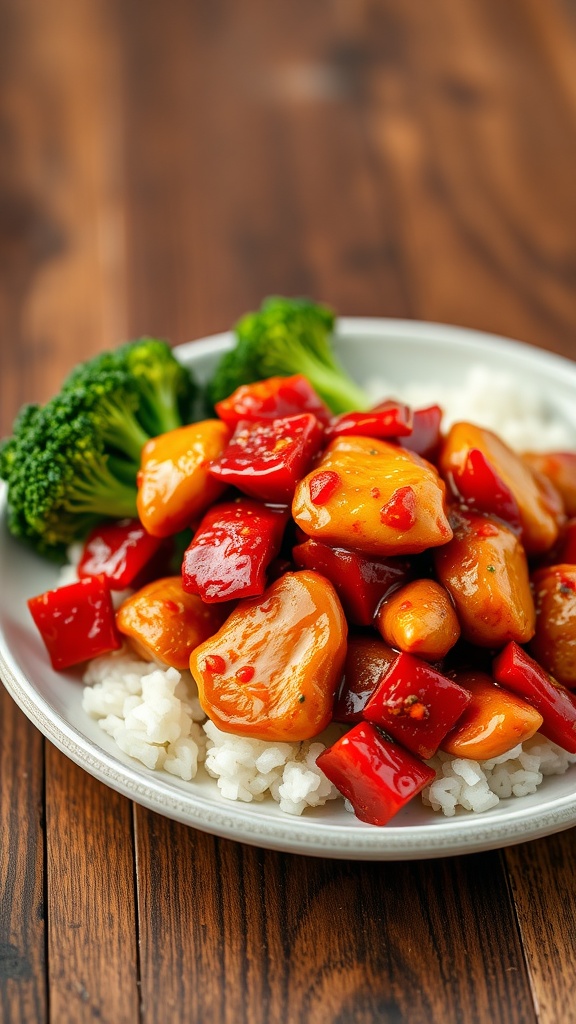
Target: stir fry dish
[[310, 557]]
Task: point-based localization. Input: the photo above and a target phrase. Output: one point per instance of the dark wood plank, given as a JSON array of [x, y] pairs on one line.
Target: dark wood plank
[[62, 289], [92, 951], [376, 159], [542, 876], [259, 181], [474, 128], [235, 935], [22, 909]]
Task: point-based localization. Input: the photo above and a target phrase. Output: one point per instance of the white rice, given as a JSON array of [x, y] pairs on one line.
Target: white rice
[[154, 716], [480, 785], [247, 770], [520, 415]]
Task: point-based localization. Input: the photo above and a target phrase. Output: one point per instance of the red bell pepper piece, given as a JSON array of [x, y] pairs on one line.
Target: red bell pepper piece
[[517, 671], [416, 704], [272, 399], [425, 437], [376, 776], [76, 622], [389, 419], [478, 484], [229, 554], [120, 551], [267, 459], [361, 581], [367, 659]]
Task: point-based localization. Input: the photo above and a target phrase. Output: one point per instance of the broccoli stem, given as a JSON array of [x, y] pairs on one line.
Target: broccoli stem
[[339, 392], [159, 410], [101, 493], [123, 432], [123, 470]]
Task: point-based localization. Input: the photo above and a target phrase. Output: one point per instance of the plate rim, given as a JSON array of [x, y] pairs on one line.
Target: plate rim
[[305, 835]]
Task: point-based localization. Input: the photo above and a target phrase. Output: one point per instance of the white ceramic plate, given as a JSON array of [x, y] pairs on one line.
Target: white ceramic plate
[[400, 351]]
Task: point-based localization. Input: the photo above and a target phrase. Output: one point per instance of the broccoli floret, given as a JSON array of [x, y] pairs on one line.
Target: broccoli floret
[[8, 446], [61, 481], [234, 369], [287, 336], [167, 389], [75, 460], [110, 397]]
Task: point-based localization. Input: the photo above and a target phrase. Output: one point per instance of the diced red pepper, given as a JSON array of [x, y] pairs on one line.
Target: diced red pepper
[[120, 551], [229, 554], [518, 672], [267, 459], [367, 659], [389, 419], [361, 581], [425, 437], [323, 485], [76, 622], [400, 511], [376, 776], [416, 704], [478, 484], [272, 399]]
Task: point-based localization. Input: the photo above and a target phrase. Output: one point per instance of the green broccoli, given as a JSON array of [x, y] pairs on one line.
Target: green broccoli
[[61, 480], [75, 460], [23, 423], [285, 337], [166, 388], [111, 398]]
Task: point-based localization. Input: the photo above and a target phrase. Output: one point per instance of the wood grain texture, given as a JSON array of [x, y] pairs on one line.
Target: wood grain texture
[[542, 877], [234, 935], [62, 294], [393, 160], [22, 910], [470, 120], [271, 183], [92, 951]]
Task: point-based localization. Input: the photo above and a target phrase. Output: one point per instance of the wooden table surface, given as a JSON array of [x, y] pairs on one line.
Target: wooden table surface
[[163, 167]]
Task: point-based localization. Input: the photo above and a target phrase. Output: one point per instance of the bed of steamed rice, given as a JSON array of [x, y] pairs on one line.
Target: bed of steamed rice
[[153, 714], [520, 415]]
